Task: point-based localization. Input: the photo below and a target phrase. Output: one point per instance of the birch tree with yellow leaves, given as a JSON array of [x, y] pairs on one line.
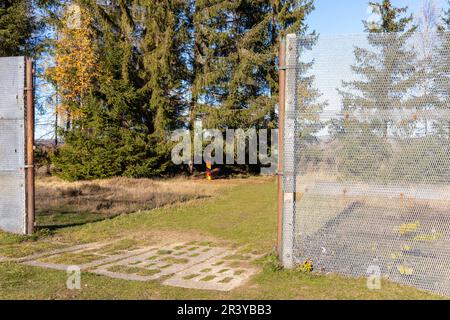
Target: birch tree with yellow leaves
[[75, 67]]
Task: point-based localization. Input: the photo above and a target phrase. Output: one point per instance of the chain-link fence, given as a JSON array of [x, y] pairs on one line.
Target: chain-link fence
[[366, 176], [12, 145]]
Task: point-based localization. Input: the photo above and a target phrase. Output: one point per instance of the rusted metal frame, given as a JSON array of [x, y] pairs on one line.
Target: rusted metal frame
[[29, 144]]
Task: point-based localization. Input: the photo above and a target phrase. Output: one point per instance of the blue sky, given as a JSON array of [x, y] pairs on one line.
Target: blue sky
[[339, 23], [345, 16], [331, 17]]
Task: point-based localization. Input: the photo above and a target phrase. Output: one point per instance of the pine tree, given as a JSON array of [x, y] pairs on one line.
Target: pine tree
[[139, 94], [393, 19], [442, 66], [234, 59], [235, 81], [447, 18], [386, 72], [16, 27], [23, 26], [163, 62]]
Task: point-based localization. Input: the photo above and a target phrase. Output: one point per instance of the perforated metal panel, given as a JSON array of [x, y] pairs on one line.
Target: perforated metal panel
[[12, 145], [367, 156]]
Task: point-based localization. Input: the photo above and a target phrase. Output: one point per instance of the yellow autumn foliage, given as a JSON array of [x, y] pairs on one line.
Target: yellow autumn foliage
[[75, 66]]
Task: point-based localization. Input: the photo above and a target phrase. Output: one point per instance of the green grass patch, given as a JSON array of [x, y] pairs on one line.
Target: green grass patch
[[244, 215], [235, 264], [223, 270], [208, 278], [164, 252], [191, 276], [26, 248], [119, 246], [237, 257], [153, 258], [133, 270], [226, 280], [175, 260], [71, 258]]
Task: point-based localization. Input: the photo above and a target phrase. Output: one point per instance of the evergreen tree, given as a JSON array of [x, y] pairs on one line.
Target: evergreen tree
[[161, 63], [234, 58], [16, 27], [447, 18], [386, 73], [235, 81], [138, 96], [442, 67], [23, 25], [393, 19]]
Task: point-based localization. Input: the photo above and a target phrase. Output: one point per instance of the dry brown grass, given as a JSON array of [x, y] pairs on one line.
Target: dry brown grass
[[59, 202]]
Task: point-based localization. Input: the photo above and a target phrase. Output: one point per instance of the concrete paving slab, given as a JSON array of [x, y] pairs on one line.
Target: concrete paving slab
[[165, 261], [195, 265], [92, 249], [218, 273], [57, 251]]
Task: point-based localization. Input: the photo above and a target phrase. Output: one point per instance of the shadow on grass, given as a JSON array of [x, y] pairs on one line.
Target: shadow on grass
[[54, 221]]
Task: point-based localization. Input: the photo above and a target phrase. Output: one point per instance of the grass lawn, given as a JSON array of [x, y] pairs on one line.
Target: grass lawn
[[239, 213]]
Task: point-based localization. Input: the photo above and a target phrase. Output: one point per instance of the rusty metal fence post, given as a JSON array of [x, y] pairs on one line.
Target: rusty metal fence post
[[29, 134]]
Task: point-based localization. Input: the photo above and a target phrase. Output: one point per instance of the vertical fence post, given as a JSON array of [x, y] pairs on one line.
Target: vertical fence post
[[289, 137], [29, 133], [281, 103]]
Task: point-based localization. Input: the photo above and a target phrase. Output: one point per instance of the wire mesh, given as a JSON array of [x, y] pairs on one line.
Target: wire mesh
[[12, 145], [367, 161]]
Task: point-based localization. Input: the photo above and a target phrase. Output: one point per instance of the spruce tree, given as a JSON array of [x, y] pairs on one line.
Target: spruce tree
[[386, 72], [138, 96], [164, 62], [388, 68], [23, 26], [235, 81], [16, 27], [447, 18], [442, 66], [234, 59]]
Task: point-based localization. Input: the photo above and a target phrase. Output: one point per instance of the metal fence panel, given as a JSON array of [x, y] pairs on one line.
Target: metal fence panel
[[370, 158], [12, 145]]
